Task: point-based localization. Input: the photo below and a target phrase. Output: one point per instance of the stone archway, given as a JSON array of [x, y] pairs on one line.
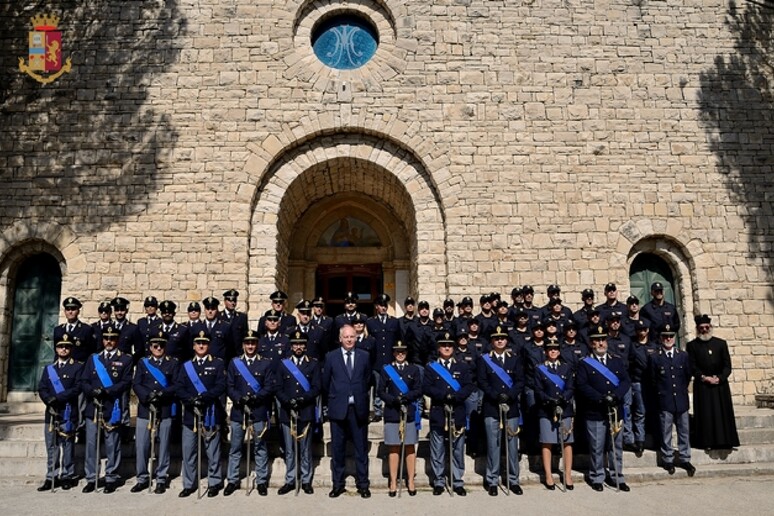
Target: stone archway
[[309, 184]]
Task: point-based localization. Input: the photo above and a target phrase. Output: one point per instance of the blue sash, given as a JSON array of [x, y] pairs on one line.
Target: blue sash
[[603, 370], [195, 380], [399, 382], [246, 375], [555, 378], [297, 374], [53, 376], [159, 376], [156, 372], [499, 371], [446, 375], [102, 373]]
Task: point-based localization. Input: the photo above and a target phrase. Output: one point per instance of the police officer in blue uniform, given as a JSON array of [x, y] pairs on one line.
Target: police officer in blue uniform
[[581, 316], [448, 384], [286, 321], [385, 331], [611, 303], [316, 335], [401, 390], [250, 385], [221, 344], [148, 325], [59, 388], [237, 320], [200, 385], [105, 311], [130, 340], [81, 335], [602, 382], [298, 385], [273, 344], [323, 321], [107, 378], [154, 385], [659, 312], [641, 351], [194, 316], [554, 384], [178, 339], [501, 378], [671, 372], [350, 310]]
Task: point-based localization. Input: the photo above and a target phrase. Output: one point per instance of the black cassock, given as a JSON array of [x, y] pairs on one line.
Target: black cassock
[[713, 411]]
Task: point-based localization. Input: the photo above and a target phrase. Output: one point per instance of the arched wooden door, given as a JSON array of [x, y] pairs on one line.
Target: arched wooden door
[[35, 313]]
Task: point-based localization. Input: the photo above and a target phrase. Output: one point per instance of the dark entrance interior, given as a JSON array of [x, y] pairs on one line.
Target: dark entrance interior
[[332, 282]]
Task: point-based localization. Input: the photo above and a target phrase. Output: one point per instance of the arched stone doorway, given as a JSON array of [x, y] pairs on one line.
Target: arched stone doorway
[[35, 313], [347, 180]]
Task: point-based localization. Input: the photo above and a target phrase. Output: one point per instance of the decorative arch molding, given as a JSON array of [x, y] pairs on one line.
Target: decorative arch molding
[[688, 261], [388, 163]]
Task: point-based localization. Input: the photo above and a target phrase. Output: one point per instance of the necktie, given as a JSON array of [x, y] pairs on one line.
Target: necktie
[[553, 366], [400, 367], [201, 362], [70, 328], [669, 354], [60, 364], [447, 364], [501, 359], [349, 363], [209, 325], [383, 319], [249, 362], [603, 360]]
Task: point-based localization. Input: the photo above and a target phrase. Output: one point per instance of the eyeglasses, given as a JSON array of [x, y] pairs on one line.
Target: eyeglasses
[[157, 346], [110, 339], [62, 346], [704, 327]]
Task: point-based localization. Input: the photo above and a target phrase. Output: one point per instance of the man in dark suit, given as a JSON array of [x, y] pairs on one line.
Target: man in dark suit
[[148, 325], [217, 330], [237, 319], [178, 339], [346, 380]]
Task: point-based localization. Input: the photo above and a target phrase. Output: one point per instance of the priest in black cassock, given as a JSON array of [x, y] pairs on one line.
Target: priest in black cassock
[[713, 411]]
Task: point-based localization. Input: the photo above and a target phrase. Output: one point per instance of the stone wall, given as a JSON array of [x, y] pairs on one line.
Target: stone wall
[[538, 142]]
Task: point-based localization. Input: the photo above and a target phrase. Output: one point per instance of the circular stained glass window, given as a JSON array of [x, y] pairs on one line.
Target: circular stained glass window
[[345, 42]]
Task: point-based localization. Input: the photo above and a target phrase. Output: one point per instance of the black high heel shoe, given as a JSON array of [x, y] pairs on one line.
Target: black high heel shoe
[[392, 494], [412, 492]]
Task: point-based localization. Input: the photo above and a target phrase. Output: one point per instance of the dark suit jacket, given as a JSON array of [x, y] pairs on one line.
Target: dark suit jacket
[[339, 386], [82, 337]]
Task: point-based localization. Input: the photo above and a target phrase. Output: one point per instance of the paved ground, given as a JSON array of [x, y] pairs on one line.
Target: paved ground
[[733, 495]]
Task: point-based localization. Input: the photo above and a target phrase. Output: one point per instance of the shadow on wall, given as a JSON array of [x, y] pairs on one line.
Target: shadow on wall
[[736, 99], [85, 150]]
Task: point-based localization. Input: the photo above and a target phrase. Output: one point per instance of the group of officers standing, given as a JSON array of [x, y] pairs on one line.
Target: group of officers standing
[[509, 372]]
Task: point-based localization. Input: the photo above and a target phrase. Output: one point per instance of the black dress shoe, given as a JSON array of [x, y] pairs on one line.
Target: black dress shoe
[[68, 483], [262, 489], [689, 468], [623, 487], [364, 492], [161, 488], [139, 487], [336, 492], [286, 489], [597, 486], [188, 491], [230, 488], [392, 494], [492, 490], [375, 419], [307, 488], [213, 491], [670, 468], [46, 486], [460, 491], [89, 487], [516, 489], [437, 490], [640, 448], [110, 487]]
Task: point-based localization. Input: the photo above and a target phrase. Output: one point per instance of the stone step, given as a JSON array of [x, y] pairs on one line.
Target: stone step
[[751, 436]]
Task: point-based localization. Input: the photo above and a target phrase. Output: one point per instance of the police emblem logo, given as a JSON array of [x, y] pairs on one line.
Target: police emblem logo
[[600, 330], [447, 335], [45, 50], [668, 328]]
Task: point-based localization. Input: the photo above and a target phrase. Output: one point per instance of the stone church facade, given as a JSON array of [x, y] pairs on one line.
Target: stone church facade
[[197, 146]]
